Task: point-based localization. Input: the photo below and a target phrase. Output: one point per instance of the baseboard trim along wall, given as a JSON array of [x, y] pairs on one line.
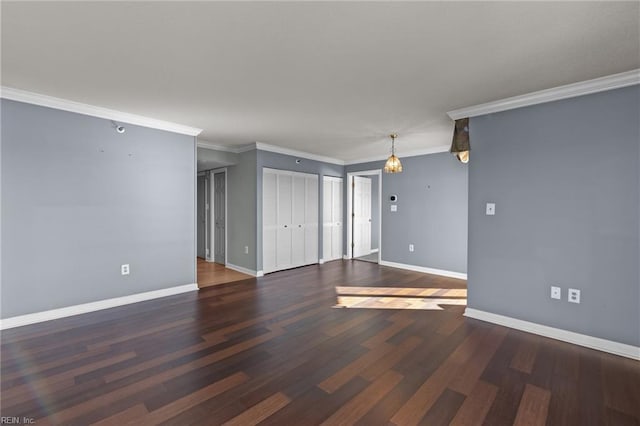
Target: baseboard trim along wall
[[244, 270], [597, 343], [92, 306], [425, 270]]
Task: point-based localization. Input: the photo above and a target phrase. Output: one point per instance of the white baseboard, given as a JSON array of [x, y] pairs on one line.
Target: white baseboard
[[321, 261], [244, 270], [259, 274], [425, 270], [92, 306], [345, 257], [609, 346], [374, 250]]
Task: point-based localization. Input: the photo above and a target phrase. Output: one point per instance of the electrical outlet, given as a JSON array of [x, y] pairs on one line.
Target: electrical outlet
[[124, 269], [411, 247], [246, 249], [574, 295], [394, 207], [491, 209], [556, 293]]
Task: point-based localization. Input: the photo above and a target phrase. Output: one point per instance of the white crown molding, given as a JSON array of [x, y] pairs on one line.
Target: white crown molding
[[295, 153], [596, 85], [93, 306], [604, 345], [425, 270], [94, 111], [215, 147], [415, 153], [245, 148]]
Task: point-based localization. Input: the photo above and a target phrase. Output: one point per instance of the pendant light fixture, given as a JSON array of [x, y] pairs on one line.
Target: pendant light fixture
[[393, 164]]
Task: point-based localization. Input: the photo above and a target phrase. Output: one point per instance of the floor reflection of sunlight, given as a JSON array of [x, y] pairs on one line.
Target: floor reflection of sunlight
[[399, 297]]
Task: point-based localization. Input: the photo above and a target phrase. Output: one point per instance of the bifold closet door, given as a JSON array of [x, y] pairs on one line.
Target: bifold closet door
[[290, 219], [311, 220], [298, 207], [332, 218], [285, 223], [269, 220]]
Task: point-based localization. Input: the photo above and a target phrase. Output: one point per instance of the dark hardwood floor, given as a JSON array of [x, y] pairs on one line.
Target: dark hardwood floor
[[274, 351]]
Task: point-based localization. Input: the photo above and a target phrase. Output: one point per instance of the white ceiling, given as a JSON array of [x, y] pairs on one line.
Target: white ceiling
[[327, 78]]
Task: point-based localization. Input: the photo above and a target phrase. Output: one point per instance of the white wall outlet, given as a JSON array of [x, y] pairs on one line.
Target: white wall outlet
[[411, 247], [246, 249], [574, 295], [124, 269], [394, 207], [491, 209], [556, 293]]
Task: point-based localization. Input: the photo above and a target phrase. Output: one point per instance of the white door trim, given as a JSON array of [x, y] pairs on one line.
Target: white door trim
[[350, 175], [212, 213]]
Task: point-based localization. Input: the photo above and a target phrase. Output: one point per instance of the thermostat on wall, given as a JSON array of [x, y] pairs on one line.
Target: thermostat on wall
[[393, 198]]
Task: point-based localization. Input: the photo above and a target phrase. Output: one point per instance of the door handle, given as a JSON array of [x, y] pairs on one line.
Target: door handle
[[285, 226]]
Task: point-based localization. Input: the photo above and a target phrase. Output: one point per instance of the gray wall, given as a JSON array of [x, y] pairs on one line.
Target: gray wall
[[241, 211], [286, 162], [79, 200], [209, 159], [565, 180], [432, 212]]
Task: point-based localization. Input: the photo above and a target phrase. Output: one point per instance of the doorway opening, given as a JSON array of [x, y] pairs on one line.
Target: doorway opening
[[364, 208]]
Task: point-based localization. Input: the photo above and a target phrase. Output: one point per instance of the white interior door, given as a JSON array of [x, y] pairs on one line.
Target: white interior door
[[290, 219], [311, 220], [361, 216], [285, 216], [337, 234], [298, 221], [332, 218], [219, 217], [269, 220]]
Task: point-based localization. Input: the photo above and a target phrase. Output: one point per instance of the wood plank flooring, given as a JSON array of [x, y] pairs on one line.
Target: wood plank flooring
[[275, 351], [210, 273]]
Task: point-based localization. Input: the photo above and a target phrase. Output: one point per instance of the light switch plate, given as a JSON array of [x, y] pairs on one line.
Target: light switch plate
[[556, 293], [394, 207], [491, 209]]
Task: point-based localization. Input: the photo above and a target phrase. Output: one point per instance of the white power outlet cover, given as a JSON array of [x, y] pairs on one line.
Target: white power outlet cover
[[411, 247], [246, 249], [394, 207], [556, 293], [491, 209], [124, 269], [574, 295]]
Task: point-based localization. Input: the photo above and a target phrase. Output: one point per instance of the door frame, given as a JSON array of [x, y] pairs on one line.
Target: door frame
[[349, 210], [212, 213]]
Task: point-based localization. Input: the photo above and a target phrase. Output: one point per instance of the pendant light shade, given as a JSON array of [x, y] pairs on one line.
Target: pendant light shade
[[393, 164]]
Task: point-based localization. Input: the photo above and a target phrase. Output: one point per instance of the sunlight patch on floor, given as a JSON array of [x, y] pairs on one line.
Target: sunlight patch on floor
[[399, 297]]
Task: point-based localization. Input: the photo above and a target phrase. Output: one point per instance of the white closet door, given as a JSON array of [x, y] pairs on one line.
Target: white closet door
[[290, 219], [298, 221], [269, 220], [336, 238], [285, 212], [327, 217], [311, 220], [361, 216], [332, 218]]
